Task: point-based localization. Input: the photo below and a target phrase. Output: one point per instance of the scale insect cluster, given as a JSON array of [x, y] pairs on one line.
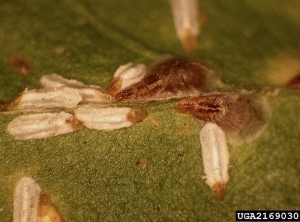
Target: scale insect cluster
[[89, 106], [236, 117]]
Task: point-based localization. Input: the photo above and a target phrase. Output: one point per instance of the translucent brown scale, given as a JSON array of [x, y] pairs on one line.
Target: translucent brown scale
[[242, 115], [170, 79]]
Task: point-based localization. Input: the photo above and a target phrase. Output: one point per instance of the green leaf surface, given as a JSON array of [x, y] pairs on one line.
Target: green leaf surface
[[95, 176]]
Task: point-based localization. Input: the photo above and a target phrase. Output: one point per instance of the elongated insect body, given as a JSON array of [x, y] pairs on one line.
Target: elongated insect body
[[185, 16], [30, 205], [169, 79], [46, 98], [42, 125], [109, 118], [207, 108], [26, 200], [215, 158]]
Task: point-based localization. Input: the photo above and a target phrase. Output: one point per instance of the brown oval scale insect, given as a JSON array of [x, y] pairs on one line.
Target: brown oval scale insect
[[172, 78], [206, 108], [243, 116]]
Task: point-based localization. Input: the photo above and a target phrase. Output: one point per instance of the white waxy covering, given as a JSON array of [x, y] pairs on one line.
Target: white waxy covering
[[215, 158], [26, 200], [49, 98], [127, 75], [46, 125], [94, 95], [42, 125], [55, 81], [89, 93], [186, 21], [130, 74], [100, 118]]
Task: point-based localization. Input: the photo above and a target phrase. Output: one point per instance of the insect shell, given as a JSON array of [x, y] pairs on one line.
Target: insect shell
[[169, 79], [243, 116]]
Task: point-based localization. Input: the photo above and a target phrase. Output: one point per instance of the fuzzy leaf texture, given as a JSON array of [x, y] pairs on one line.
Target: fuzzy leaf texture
[[153, 170]]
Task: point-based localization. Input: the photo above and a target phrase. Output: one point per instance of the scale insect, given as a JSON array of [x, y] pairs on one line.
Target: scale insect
[[243, 116], [170, 79], [32, 206], [215, 157], [186, 22]]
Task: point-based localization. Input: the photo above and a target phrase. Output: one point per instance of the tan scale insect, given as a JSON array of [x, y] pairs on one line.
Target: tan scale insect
[[170, 79], [243, 116]]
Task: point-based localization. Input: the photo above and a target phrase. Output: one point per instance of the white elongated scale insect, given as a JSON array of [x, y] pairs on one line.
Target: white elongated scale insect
[[109, 118], [26, 200], [185, 16], [32, 206], [42, 125], [47, 98], [215, 158], [125, 76]]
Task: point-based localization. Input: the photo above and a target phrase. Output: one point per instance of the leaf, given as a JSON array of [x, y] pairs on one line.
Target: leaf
[[97, 176]]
